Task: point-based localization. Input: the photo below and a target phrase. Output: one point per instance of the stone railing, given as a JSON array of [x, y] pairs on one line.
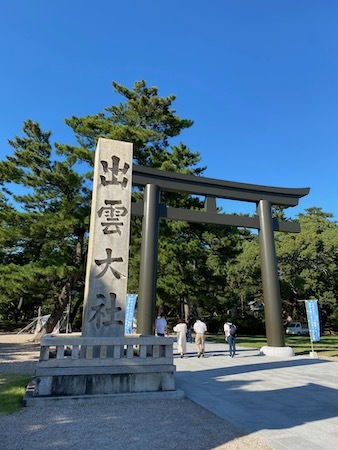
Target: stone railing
[[107, 365], [67, 351]]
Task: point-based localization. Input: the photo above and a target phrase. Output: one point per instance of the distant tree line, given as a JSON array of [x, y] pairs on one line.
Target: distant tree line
[[215, 271]]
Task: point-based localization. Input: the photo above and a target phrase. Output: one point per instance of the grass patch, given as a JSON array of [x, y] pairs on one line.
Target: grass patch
[[301, 345], [12, 390], [327, 346]]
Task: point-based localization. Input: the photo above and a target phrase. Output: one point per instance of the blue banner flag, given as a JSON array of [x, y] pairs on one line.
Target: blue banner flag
[[313, 319], [130, 309]]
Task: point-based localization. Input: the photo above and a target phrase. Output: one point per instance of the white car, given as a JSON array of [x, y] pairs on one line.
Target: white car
[[297, 328]]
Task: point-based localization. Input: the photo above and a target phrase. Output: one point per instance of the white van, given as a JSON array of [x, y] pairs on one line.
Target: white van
[[297, 328]]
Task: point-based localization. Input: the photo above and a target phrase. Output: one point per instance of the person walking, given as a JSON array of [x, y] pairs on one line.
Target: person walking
[[230, 333], [200, 329], [181, 330], [161, 325]]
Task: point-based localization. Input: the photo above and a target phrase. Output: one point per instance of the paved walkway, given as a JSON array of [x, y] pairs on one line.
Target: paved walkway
[[292, 403], [110, 423], [248, 402]]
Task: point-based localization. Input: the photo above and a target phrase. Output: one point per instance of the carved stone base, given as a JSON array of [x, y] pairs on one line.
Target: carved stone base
[[279, 352], [78, 366]]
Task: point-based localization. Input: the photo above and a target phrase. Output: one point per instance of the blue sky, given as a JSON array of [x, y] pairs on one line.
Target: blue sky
[[258, 77]]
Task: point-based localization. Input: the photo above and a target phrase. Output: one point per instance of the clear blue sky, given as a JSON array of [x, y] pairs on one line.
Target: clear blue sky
[[258, 77]]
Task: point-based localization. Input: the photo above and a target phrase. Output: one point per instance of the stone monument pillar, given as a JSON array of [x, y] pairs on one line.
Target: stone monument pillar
[[103, 361], [107, 264]]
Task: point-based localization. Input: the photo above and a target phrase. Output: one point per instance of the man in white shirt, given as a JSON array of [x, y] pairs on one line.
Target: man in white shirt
[[200, 329], [161, 325]]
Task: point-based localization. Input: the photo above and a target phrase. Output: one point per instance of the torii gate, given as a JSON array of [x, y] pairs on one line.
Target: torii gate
[[154, 181]]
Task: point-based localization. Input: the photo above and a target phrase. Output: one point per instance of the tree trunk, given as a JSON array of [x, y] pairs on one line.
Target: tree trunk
[[18, 310], [56, 315], [186, 310], [65, 294], [75, 309]]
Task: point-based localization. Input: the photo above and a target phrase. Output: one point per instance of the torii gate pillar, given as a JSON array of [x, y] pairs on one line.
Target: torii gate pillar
[[270, 281], [148, 268]]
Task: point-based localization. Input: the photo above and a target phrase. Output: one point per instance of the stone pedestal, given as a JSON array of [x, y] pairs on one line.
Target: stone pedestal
[[280, 352], [78, 366]]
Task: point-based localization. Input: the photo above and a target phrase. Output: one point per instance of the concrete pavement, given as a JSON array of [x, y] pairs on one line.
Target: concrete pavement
[[109, 422], [292, 403], [251, 401]]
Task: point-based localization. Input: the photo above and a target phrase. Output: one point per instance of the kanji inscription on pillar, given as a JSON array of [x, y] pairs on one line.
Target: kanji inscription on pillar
[[108, 249]]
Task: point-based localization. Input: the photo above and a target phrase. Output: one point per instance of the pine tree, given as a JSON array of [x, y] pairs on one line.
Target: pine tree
[[149, 122], [44, 223], [44, 229]]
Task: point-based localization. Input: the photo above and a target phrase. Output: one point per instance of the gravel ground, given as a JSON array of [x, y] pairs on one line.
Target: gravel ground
[[134, 425]]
